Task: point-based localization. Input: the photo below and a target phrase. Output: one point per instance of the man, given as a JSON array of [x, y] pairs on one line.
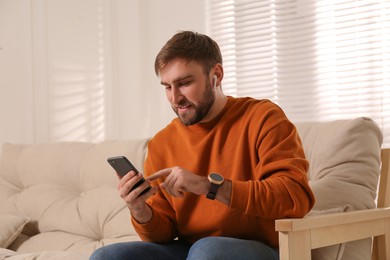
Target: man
[[226, 168]]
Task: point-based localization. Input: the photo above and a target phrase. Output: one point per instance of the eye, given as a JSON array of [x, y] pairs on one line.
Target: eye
[[184, 83], [167, 87]]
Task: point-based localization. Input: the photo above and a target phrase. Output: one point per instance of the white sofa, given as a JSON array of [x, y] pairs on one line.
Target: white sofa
[[59, 200]]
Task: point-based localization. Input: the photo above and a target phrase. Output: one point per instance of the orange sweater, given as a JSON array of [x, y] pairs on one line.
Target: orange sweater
[[252, 143]]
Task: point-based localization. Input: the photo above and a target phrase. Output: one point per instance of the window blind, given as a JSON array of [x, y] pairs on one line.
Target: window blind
[[320, 60]]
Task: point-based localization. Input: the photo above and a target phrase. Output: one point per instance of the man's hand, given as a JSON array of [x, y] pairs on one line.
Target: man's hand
[[178, 181], [134, 201]]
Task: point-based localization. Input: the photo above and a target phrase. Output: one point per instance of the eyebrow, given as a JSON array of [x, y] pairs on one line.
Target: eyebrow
[[178, 79]]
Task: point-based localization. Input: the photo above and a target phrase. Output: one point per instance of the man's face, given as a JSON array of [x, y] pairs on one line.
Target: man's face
[[188, 90]]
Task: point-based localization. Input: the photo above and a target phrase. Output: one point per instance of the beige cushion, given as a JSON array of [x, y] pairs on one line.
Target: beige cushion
[[11, 227], [45, 255], [344, 158], [68, 190]]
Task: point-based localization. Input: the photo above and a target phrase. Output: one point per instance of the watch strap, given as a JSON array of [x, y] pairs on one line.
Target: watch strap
[[213, 191]]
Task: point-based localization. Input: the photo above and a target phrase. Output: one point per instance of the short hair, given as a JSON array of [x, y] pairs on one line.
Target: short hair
[[191, 46]]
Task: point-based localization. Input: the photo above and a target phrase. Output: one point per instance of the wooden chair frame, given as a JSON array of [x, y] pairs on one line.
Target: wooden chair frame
[[297, 237]]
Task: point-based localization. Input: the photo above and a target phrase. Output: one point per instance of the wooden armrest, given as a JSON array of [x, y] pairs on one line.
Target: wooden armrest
[[331, 219], [318, 231]]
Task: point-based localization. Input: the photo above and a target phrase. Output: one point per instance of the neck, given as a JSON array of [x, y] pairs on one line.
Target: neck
[[219, 104]]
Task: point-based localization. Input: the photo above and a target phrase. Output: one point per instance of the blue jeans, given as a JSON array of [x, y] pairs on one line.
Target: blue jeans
[[207, 248]]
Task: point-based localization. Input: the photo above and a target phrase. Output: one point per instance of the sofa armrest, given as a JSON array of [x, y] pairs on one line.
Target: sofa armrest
[[298, 236]]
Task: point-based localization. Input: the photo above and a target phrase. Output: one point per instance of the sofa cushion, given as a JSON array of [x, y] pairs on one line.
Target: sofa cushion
[[45, 255], [68, 190], [10, 227], [344, 157]]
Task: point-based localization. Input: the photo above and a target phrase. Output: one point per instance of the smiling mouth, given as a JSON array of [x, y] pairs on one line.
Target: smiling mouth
[[183, 108]]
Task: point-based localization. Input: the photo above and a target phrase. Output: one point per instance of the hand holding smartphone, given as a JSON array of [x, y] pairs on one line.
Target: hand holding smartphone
[[122, 166]]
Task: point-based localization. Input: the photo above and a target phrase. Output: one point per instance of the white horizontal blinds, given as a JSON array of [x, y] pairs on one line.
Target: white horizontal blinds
[[244, 31], [319, 60], [295, 37], [350, 58]]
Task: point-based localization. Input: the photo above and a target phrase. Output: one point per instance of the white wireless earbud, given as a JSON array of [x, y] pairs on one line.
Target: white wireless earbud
[[215, 81]]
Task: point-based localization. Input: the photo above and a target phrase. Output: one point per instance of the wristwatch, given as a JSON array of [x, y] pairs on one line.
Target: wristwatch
[[216, 181]]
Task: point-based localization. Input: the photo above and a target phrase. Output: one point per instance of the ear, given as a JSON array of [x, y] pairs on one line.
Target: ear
[[218, 74]]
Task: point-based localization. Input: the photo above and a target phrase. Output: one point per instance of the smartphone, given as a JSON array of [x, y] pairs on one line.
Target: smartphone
[[122, 166]]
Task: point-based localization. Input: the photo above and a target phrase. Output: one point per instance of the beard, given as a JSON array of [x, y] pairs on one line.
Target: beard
[[196, 113]]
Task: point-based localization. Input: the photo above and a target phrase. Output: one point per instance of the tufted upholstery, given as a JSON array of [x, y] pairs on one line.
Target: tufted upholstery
[[67, 191]]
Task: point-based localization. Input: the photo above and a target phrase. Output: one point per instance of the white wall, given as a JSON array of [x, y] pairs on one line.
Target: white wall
[[83, 70], [16, 107], [157, 21]]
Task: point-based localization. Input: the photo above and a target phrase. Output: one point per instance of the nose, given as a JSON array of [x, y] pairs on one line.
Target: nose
[[176, 95]]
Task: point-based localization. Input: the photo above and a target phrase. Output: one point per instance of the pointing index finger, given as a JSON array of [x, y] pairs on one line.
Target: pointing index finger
[[160, 174]]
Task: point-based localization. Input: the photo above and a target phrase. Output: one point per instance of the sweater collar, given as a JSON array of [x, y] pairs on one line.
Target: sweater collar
[[207, 126]]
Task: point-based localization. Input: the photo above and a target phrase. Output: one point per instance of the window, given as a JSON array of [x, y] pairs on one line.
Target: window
[[319, 60]]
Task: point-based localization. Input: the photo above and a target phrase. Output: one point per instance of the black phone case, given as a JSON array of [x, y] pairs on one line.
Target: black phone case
[[122, 166]]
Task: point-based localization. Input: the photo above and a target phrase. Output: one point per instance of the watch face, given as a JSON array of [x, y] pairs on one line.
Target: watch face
[[216, 177]]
